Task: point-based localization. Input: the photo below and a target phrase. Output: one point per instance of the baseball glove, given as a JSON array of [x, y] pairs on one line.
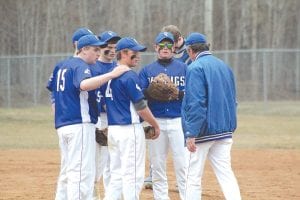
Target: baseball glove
[[162, 88], [101, 136], [149, 132]]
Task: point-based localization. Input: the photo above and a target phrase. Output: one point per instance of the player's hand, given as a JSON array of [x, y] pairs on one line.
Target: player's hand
[[53, 107], [190, 143], [156, 133], [119, 70]]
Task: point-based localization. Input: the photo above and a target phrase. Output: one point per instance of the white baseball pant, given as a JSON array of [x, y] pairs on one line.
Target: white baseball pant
[[126, 145], [171, 137], [77, 173], [102, 155]]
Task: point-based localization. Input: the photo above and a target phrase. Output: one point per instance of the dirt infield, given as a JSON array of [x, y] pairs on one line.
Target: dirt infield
[[262, 175]]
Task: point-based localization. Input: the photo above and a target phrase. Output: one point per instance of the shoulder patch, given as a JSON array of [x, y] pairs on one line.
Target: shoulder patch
[[138, 87], [87, 71]]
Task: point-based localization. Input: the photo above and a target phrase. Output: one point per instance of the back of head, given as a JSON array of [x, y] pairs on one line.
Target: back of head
[[109, 37], [174, 30], [81, 32], [194, 38], [197, 42], [90, 40]]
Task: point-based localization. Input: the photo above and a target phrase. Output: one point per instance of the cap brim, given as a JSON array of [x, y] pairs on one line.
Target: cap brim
[[187, 43], [166, 38], [113, 38], [99, 43], [138, 48]]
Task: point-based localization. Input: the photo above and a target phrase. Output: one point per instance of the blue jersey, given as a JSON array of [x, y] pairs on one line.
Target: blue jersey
[[72, 106], [182, 55], [121, 93], [51, 83], [176, 71], [98, 69]]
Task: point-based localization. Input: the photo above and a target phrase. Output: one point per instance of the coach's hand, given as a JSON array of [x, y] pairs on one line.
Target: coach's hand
[[190, 143]]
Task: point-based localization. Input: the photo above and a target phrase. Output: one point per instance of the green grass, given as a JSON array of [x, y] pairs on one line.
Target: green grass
[[273, 125], [268, 125], [27, 128]]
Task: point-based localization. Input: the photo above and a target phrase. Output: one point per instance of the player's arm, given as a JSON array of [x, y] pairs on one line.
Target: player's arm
[[52, 99], [51, 96], [95, 82], [51, 86], [144, 81], [144, 112], [134, 92]]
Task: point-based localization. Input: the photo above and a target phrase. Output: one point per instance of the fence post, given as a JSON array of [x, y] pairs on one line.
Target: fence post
[[34, 81], [265, 77], [8, 84], [297, 74]]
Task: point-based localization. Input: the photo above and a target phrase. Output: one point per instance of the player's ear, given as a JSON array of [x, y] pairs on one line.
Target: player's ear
[[123, 53], [173, 48], [85, 48], [208, 45]]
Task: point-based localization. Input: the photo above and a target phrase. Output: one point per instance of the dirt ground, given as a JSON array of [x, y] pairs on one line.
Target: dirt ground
[[262, 175]]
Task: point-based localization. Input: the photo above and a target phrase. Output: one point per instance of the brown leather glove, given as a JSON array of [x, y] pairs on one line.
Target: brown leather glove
[[101, 136], [149, 132], [163, 89]]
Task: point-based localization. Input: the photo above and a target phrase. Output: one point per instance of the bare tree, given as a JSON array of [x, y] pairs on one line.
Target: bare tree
[[46, 26], [208, 18], [254, 67]]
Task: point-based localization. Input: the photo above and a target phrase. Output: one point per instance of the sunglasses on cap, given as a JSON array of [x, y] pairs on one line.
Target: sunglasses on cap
[[163, 45]]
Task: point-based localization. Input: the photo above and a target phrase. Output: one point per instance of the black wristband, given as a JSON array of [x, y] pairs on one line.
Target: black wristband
[[180, 95]]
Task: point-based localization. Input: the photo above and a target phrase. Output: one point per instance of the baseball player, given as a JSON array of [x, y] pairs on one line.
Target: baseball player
[[180, 52], [168, 116], [75, 118], [104, 64], [126, 139], [75, 37], [209, 118]]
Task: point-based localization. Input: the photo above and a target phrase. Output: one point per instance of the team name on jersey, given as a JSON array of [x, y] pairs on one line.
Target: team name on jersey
[[177, 80]]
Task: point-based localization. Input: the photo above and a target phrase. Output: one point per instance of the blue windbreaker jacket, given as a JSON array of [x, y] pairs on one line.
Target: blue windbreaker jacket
[[209, 104]]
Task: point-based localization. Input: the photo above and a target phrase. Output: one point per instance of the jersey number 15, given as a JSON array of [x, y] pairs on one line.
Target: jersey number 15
[[60, 84]]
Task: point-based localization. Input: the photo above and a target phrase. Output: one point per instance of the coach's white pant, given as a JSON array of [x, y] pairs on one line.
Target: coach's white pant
[[126, 145], [171, 136], [218, 153], [77, 173]]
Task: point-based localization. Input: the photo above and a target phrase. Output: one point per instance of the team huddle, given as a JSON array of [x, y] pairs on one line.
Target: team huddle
[[103, 107]]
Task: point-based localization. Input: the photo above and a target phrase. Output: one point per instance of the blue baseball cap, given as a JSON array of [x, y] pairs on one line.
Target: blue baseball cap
[[81, 32], [129, 43], [89, 40], [164, 36], [109, 35], [194, 38]]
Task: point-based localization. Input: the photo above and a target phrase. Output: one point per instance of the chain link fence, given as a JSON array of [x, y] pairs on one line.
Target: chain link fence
[[261, 75]]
